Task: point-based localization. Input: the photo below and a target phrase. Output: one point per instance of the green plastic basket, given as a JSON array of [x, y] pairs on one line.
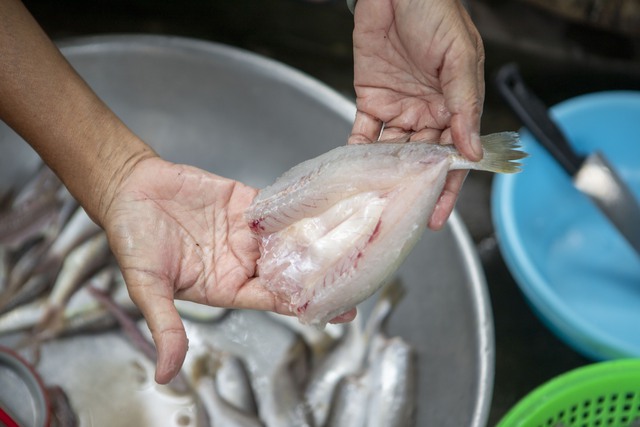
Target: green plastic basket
[[605, 394]]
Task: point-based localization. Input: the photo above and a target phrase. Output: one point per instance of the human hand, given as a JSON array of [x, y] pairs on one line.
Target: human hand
[[178, 231], [418, 73]]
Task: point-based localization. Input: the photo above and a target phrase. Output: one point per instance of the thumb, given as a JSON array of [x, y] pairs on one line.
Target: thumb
[[154, 298], [366, 128], [465, 104], [463, 89]]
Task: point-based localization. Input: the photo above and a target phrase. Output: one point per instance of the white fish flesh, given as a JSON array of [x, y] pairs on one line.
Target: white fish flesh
[[334, 228]]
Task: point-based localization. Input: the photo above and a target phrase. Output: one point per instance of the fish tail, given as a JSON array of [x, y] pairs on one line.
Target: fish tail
[[500, 152]]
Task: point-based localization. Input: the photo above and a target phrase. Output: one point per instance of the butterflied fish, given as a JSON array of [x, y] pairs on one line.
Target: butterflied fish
[[334, 228]]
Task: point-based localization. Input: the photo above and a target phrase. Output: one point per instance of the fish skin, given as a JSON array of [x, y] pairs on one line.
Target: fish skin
[[33, 210], [393, 385], [22, 271], [44, 180], [220, 412], [349, 406], [383, 393], [81, 262], [5, 269], [283, 405], [28, 220], [76, 231], [333, 229], [84, 313], [82, 309], [62, 412], [22, 317], [31, 289], [349, 355], [84, 261], [44, 258], [345, 359], [80, 304], [319, 341], [234, 384]]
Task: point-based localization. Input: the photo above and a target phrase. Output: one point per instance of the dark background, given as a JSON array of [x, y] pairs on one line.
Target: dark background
[[559, 58]]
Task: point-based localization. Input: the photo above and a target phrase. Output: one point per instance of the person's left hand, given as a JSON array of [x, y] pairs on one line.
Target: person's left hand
[[419, 74], [178, 231]]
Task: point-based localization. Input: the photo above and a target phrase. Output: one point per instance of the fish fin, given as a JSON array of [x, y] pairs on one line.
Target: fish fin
[[500, 151], [393, 291], [389, 298], [50, 325]]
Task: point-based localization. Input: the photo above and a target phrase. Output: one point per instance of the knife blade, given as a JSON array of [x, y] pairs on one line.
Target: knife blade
[[593, 174]]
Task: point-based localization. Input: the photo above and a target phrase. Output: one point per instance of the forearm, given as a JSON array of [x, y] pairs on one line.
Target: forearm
[[45, 101]]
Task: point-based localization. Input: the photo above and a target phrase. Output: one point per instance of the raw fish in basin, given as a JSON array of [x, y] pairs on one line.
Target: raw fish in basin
[[332, 230]]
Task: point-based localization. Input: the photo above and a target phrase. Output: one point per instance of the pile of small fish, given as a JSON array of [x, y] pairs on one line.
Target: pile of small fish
[[351, 375], [49, 249], [58, 278]]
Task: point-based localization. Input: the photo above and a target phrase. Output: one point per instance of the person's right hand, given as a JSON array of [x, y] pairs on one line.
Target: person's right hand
[[418, 72]]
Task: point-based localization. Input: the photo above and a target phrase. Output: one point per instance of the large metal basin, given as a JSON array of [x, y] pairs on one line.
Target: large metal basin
[[249, 118]]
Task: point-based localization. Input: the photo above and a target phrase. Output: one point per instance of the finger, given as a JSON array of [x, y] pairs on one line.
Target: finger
[[465, 131], [447, 199], [394, 134], [155, 301], [366, 128], [428, 135], [464, 96], [345, 317], [254, 295]]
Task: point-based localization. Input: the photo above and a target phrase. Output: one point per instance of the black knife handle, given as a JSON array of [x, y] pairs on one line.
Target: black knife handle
[[535, 117]]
